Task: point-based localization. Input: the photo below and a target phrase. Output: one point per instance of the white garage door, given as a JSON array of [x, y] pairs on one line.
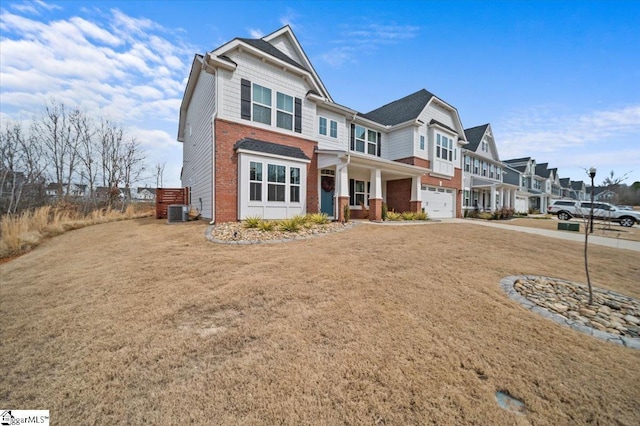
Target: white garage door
[[438, 202]]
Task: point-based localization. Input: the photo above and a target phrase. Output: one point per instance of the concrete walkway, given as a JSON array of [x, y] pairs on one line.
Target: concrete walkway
[[563, 235]]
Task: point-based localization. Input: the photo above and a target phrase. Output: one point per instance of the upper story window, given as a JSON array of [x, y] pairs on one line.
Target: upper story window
[[256, 104], [284, 111], [492, 171], [422, 142], [332, 129], [476, 166], [484, 168], [365, 140], [444, 148], [498, 173], [467, 163], [322, 126], [536, 184], [485, 146], [261, 104]]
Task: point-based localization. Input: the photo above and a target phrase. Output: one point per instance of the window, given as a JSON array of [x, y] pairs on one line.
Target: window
[[466, 198], [492, 171], [360, 138], [498, 173], [294, 185], [322, 126], [255, 181], [284, 111], [261, 104], [484, 168], [467, 163], [444, 147], [365, 140], [277, 182], [334, 129], [476, 166], [372, 142], [485, 146], [358, 194], [422, 142]]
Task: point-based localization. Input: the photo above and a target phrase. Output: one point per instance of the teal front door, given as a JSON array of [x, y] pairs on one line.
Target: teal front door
[[327, 187]]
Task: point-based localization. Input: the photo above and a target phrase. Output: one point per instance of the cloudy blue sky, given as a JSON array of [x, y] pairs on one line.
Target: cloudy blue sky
[[558, 81]]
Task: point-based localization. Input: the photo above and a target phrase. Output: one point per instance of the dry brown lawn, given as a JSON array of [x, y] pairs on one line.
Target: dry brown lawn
[[139, 321], [601, 229]]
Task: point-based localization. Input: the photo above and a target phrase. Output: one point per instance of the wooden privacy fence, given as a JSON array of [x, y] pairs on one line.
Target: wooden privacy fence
[[167, 196]]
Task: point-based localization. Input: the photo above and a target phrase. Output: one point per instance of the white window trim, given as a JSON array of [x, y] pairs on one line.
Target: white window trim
[[283, 111]]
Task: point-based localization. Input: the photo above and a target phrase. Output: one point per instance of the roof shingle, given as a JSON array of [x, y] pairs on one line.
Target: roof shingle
[[270, 148]]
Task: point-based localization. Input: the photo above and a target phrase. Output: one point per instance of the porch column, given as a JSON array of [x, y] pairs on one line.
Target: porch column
[[375, 196], [342, 184], [513, 198], [416, 194], [492, 206], [502, 203]]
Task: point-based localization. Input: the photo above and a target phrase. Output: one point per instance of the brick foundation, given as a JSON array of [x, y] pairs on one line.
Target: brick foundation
[[399, 195], [416, 206], [375, 209], [342, 202]]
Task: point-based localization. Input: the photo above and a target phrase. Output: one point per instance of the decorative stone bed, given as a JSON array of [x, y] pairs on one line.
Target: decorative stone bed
[[612, 316], [237, 233]]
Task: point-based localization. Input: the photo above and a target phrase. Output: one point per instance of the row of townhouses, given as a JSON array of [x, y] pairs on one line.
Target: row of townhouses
[[262, 136]]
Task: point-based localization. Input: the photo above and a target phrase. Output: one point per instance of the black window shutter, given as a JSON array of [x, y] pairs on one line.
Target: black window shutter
[[379, 144], [353, 137], [245, 99], [352, 192], [298, 115]]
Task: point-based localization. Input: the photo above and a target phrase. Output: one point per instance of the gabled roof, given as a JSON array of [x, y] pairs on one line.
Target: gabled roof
[[270, 148], [542, 170], [474, 136], [401, 110], [517, 160], [521, 169], [565, 182], [577, 185], [266, 47]]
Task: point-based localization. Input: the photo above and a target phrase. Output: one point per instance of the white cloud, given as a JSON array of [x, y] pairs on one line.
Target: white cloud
[[127, 69], [256, 33], [366, 37], [546, 130], [607, 139]]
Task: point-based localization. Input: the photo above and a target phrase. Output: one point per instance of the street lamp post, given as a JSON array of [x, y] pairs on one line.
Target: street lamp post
[[592, 174]]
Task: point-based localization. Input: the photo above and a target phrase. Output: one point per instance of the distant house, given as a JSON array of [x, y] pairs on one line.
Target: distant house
[[601, 193], [578, 190], [145, 194], [75, 190], [483, 173]]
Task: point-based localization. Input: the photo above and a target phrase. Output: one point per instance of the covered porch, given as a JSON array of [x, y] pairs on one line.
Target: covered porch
[[362, 183], [489, 196]]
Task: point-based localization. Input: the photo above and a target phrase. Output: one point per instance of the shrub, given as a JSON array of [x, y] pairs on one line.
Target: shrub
[[318, 218], [393, 216], [408, 215], [252, 221], [422, 216], [385, 210], [300, 219], [347, 213], [485, 215], [290, 225], [266, 225]]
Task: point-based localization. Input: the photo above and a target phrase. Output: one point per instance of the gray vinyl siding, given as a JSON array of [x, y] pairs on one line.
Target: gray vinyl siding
[[197, 171]]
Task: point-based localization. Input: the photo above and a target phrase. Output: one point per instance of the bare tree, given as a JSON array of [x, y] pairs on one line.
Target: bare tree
[[21, 170], [160, 174], [132, 166], [56, 133], [88, 152]]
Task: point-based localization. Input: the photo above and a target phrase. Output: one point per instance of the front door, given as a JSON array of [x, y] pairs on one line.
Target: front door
[[327, 187]]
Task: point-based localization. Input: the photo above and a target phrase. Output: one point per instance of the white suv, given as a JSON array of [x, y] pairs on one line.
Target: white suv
[[566, 209]]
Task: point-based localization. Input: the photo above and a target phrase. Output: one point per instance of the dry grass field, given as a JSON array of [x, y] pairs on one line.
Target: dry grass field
[[139, 321]]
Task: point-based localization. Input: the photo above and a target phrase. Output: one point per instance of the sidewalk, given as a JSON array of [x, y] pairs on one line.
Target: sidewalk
[[563, 235]]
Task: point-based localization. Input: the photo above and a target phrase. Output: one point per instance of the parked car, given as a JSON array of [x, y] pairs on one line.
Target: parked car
[[625, 208], [566, 209]]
